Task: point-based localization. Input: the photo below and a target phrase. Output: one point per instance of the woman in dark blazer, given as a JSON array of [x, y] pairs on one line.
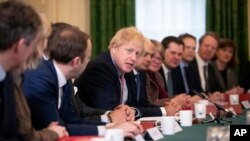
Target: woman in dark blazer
[[224, 67]]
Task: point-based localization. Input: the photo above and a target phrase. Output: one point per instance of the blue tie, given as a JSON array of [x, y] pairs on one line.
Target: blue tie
[[138, 86]]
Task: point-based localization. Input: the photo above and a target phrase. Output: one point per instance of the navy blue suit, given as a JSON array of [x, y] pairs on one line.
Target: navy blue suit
[[8, 118], [40, 87], [178, 81], [99, 86]]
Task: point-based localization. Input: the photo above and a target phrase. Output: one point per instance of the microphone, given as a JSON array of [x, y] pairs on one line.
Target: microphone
[[220, 107]]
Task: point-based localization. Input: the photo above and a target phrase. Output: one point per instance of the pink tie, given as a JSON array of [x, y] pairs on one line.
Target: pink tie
[[122, 81]]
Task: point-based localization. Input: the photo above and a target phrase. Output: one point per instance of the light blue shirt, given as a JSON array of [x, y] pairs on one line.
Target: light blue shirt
[[2, 73], [182, 66]]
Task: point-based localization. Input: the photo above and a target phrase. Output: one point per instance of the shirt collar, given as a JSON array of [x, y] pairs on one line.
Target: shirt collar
[[200, 62], [183, 64], [135, 72], [61, 78], [165, 69], [2, 73]]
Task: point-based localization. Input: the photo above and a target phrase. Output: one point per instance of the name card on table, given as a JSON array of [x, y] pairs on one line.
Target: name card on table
[[242, 97], [245, 104], [155, 133]]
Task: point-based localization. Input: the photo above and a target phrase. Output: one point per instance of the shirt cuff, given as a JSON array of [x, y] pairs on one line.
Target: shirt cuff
[[105, 118], [163, 111], [101, 130]]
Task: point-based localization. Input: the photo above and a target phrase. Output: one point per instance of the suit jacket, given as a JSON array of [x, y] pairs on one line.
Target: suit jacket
[[195, 81], [230, 77], [8, 117], [85, 111], [178, 81], [143, 104], [165, 84], [40, 87], [99, 86]]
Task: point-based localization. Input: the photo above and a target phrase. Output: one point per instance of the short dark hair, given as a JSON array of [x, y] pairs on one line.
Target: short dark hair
[[69, 43], [167, 40], [186, 35], [212, 34], [17, 21], [228, 43], [56, 28]]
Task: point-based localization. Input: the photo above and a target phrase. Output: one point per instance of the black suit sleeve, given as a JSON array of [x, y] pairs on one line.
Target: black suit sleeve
[[87, 112]]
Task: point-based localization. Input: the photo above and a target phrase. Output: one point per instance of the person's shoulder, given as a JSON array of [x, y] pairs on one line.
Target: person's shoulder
[[103, 61]]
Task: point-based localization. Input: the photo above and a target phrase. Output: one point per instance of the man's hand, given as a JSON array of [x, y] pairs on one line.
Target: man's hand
[[172, 108], [183, 100], [130, 129], [60, 130], [122, 113]]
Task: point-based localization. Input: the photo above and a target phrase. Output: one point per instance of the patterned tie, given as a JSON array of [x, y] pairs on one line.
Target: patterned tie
[[122, 81]]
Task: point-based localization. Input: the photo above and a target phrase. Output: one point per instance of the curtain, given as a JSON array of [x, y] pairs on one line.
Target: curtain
[[229, 18], [160, 18], [107, 17]]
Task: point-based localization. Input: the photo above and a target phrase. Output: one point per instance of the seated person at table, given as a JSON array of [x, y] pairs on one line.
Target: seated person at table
[[202, 69], [155, 83], [22, 35], [181, 75], [69, 55], [102, 85], [136, 82], [223, 64], [86, 112]]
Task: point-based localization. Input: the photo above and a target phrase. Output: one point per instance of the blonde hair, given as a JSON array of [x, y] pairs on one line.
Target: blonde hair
[[125, 35], [37, 53], [158, 47]]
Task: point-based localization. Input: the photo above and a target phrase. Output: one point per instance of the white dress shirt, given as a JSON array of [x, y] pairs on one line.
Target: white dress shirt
[[201, 63]]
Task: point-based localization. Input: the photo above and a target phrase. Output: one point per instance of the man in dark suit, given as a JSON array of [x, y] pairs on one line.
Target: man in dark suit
[[69, 55], [102, 83], [173, 48], [20, 34], [202, 69], [136, 82], [102, 78], [85, 111], [181, 75]]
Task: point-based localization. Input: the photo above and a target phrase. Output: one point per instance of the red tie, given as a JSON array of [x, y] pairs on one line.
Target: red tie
[[122, 81]]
